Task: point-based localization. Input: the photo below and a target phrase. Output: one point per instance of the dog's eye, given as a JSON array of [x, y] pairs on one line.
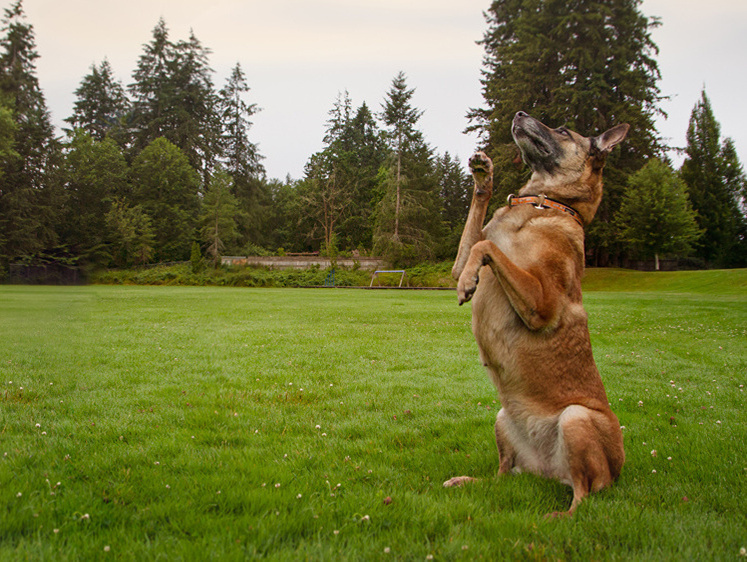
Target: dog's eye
[[563, 131]]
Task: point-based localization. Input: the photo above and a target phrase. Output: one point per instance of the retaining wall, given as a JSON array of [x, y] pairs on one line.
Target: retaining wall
[[303, 262]]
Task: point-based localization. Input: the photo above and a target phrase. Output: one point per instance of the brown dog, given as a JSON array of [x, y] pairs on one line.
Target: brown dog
[[527, 314]]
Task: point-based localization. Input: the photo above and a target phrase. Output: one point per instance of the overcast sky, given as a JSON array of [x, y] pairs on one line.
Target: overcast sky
[[299, 54]]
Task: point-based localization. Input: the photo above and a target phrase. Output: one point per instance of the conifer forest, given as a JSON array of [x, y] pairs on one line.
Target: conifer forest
[[165, 165]]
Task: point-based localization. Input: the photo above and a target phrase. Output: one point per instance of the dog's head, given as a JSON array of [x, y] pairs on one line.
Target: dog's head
[[565, 166]]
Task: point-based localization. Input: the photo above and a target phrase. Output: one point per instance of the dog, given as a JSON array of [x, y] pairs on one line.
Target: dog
[[523, 273]]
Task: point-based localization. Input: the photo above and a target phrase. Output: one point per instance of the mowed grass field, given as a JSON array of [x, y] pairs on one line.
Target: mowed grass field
[[173, 423]]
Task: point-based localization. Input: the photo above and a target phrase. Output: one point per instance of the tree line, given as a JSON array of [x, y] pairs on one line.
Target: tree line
[[164, 168]]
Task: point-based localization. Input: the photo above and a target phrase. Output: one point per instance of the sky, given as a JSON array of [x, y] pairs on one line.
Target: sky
[[299, 55]]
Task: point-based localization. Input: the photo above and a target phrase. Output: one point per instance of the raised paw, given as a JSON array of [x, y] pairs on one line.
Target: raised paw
[[466, 287], [458, 481], [482, 171]]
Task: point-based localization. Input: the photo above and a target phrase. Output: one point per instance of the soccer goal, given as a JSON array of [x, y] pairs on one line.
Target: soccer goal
[[377, 273]]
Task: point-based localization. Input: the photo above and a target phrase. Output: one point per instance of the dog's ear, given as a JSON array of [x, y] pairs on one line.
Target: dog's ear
[[609, 139], [604, 143]]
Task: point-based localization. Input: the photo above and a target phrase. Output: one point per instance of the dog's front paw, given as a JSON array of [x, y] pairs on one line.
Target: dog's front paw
[[482, 171], [458, 481], [466, 287]]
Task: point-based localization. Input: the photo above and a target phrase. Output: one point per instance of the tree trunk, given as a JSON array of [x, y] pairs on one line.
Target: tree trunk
[[396, 206], [656, 261]]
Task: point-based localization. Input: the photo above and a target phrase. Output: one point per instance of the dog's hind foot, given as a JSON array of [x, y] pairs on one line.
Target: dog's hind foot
[[458, 481]]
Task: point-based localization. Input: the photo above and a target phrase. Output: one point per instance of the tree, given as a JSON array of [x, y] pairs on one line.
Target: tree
[[408, 218], [326, 198], [7, 137], [167, 188], [655, 216], [130, 234], [241, 157], [716, 183], [94, 173], [401, 118], [586, 64], [102, 104], [29, 198], [455, 194], [219, 211], [173, 97]]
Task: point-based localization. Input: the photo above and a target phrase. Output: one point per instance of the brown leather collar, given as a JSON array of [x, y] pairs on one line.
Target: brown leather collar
[[542, 202]]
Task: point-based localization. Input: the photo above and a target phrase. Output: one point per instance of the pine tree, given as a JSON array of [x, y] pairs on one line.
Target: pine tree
[[29, 198], [401, 118], [365, 152], [655, 215], [408, 219], [716, 184], [585, 64], [241, 157], [219, 211], [102, 104], [173, 97], [455, 194], [167, 188], [152, 93]]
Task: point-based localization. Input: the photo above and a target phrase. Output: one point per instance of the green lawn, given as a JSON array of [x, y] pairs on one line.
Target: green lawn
[[213, 423]]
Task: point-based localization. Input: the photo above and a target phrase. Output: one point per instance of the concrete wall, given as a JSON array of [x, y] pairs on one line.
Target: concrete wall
[[303, 262]]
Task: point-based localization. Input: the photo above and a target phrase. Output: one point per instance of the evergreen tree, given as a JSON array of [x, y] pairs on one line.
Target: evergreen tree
[[219, 211], [655, 216], [102, 104], [29, 198], [95, 172], [340, 180], [241, 157], [167, 188], [173, 97], [363, 152], [585, 64], [401, 118], [455, 193], [152, 91], [716, 183], [408, 220]]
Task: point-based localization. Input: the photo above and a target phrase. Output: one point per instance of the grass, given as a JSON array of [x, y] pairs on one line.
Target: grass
[[218, 423]]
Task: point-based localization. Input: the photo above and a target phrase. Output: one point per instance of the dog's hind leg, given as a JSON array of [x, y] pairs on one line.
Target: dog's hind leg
[[482, 173], [593, 449]]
